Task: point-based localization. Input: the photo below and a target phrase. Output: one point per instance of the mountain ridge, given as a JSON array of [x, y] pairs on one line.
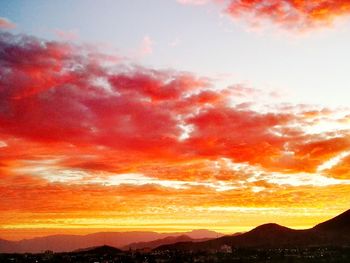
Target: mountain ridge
[[333, 232]]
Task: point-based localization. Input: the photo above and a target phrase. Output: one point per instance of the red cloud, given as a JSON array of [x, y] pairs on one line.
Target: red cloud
[[53, 94], [299, 14]]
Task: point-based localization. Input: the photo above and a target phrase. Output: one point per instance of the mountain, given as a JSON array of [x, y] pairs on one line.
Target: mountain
[[6, 245], [163, 241], [339, 224], [98, 250], [203, 233], [334, 232], [65, 243]]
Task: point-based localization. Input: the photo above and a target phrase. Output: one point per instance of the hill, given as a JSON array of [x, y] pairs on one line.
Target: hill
[[98, 250], [339, 224], [334, 232]]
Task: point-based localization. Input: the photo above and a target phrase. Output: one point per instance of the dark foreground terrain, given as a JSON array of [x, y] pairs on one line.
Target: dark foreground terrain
[[108, 254]]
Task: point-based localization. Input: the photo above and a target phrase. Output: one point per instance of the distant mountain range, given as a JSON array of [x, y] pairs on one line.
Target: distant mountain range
[[334, 232], [136, 239]]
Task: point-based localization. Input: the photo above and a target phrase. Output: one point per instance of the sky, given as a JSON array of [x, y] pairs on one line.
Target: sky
[[172, 115]]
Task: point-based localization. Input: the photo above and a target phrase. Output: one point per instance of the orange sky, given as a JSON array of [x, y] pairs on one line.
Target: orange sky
[[87, 146]]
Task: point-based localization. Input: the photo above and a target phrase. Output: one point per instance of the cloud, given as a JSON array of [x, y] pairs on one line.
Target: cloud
[[55, 93], [146, 47], [193, 2], [66, 35], [292, 15], [6, 24], [79, 133]]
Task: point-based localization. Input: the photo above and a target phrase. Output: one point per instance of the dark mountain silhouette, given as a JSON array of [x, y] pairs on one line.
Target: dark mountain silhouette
[[340, 224], [98, 250], [334, 232], [66, 243], [162, 241]]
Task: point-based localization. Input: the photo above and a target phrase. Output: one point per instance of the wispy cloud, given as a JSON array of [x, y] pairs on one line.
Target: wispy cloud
[[193, 2], [66, 35], [6, 24], [146, 46]]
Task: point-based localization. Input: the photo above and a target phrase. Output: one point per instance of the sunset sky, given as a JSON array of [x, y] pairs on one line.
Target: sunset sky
[[172, 115]]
